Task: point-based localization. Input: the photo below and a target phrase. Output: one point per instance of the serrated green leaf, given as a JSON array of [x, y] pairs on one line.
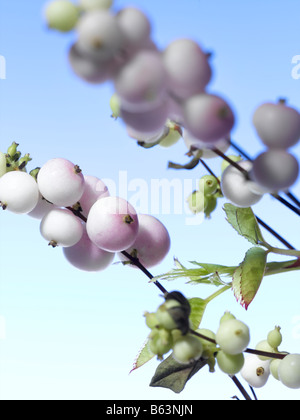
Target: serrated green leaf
[[173, 375], [198, 307], [245, 223], [248, 276], [144, 356]]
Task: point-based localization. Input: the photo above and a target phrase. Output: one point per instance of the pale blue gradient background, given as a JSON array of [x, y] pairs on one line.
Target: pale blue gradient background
[[71, 335]]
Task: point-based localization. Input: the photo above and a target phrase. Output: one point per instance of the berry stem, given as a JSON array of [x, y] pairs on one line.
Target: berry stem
[[241, 388]]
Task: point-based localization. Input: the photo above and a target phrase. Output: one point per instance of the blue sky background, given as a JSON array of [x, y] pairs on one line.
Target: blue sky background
[[74, 335]]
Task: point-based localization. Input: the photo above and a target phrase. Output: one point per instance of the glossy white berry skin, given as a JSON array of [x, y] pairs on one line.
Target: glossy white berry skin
[[86, 256], [152, 243], [234, 186], [42, 207], [233, 336], [135, 26], [208, 117], [2, 164], [277, 125], [99, 34], [112, 224], [255, 371], [187, 349], [187, 67], [61, 182], [61, 228], [141, 82], [289, 371], [18, 192], [94, 189], [275, 169]]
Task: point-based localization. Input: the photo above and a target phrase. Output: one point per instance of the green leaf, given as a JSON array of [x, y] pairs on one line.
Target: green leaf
[[245, 223], [173, 375], [144, 356], [248, 276], [198, 307]]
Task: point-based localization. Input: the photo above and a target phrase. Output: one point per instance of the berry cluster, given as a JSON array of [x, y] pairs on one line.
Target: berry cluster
[[205, 199], [78, 214], [170, 330]]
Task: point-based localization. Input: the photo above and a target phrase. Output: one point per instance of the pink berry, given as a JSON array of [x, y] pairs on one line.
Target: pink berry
[[112, 224], [208, 117], [87, 256], [94, 189], [152, 243]]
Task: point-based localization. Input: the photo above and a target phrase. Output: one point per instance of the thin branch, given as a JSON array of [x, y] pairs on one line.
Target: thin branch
[[241, 388]]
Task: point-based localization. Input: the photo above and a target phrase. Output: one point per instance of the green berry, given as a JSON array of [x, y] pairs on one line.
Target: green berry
[[274, 366], [208, 348], [164, 317], [230, 364], [265, 346], [187, 349], [2, 164], [233, 336], [61, 15], [234, 158], [275, 338], [196, 202], [173, 136], [115, 106], [161, 342], [226, 317], [208, 185], [151, 320]]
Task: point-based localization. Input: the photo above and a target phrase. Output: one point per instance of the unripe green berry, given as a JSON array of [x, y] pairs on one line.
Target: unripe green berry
[[208, 347], [230, 364], [275, 338], [210, 206], [233, 336], [61, 15], [196, 202], [187, 349], [274, 365], [161, 342], [208, 185], [115, 106], [265, 346], [151, 320], [234, 158], [226, 317], [164, 317]]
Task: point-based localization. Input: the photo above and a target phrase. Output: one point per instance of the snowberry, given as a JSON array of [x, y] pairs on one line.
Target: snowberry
[[42, 207], [61, 228], [115, 105], [187, 349], [226, 317], [152, 243], [61, 15], [225, 163], [277, 125], [289, 371], [90, 68], [18, 192], [88, 5], [2, 164], [160, 342], [87, 256], [135, 26], [234, 186], [264, 346], [275, 338], [208, 117], [233, 336], [164, 316], [187, 67], [255, 371], [94, 189], [150, 121], [196, 202], [151, 320], [141, 82], [112, 224], [61, 182], [275, 169], [209, 348], [208, 184], [99, 33], [230, 364], [174, 133], [274, 366]]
